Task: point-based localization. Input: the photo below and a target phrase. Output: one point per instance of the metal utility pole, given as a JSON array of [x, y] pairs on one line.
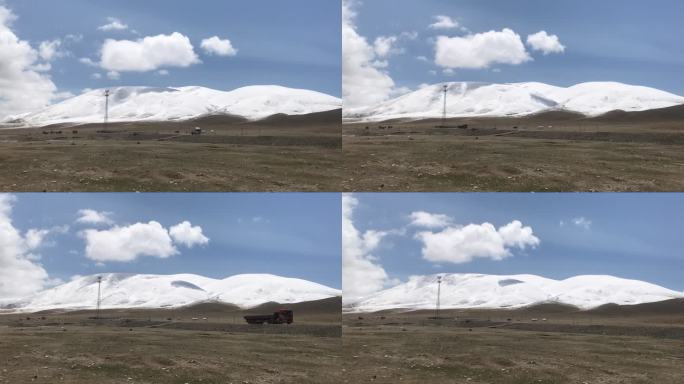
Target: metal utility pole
[[444, 89], [99, 283], [106, 119], [439, 291]]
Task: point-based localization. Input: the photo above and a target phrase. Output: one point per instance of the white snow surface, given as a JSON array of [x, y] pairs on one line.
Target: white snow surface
[[460, 291], [168, 291], [183, 103], [472, 99]]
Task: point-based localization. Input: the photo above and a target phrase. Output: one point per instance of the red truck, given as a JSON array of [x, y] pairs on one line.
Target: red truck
[[283, 316]]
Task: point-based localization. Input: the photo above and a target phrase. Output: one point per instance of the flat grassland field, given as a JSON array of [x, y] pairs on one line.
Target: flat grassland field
[[168, 346], [541, 345], [558, 151], [280, 153]]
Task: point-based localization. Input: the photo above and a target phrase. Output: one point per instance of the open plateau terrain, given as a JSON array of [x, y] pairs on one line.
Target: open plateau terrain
[[261, 138], [549, 343], [201, 343], [518, 137]]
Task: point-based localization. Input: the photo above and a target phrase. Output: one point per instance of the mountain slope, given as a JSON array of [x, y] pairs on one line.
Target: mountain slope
[[515, 291], [250, 290], [469, 99], [673, 114], [164, 104], [166, 291]]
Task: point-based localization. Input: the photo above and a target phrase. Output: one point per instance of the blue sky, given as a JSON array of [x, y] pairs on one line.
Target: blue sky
[[293, 235], [634, 236], [294, 44], [635, 42]]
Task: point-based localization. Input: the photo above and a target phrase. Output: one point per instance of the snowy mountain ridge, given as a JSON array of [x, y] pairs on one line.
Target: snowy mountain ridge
[[462, 291], [169, 291], [177, 104], [473, 99]]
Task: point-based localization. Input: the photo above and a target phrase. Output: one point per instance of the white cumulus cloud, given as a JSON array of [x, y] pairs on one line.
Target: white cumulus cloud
[[34, 237], [49, 50], [91, 216], [462, 244], [363, 82], [113, 24], [20, 272], [480, 50], [217, 46], [547, 44], [430, 220], [148, 54], [72, 38], [185, 234], [384, 45], [127, 243], [582, 222], [443, 22], [362, 274], [24, 86], [88, 61]]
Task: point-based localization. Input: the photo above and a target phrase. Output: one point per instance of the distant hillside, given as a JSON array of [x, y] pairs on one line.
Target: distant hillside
[[128, 104], [481, 291], [473, 99]]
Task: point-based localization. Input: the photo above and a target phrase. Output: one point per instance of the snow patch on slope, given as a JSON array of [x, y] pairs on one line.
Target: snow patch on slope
[[169, 291], [468, 99], [251, 290], [174, 104], [513, 291]]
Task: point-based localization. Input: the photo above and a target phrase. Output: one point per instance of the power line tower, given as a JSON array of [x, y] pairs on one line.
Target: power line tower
[[444, 90], [439, 292], [99, 300], [106, 117]]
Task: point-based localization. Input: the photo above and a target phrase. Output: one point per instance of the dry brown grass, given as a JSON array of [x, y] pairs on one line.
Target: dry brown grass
[[492, 155]]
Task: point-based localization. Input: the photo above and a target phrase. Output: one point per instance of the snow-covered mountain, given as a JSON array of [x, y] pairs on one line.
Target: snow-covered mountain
[[468, 99], [164, 104], [514, 291], [168, 291]]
